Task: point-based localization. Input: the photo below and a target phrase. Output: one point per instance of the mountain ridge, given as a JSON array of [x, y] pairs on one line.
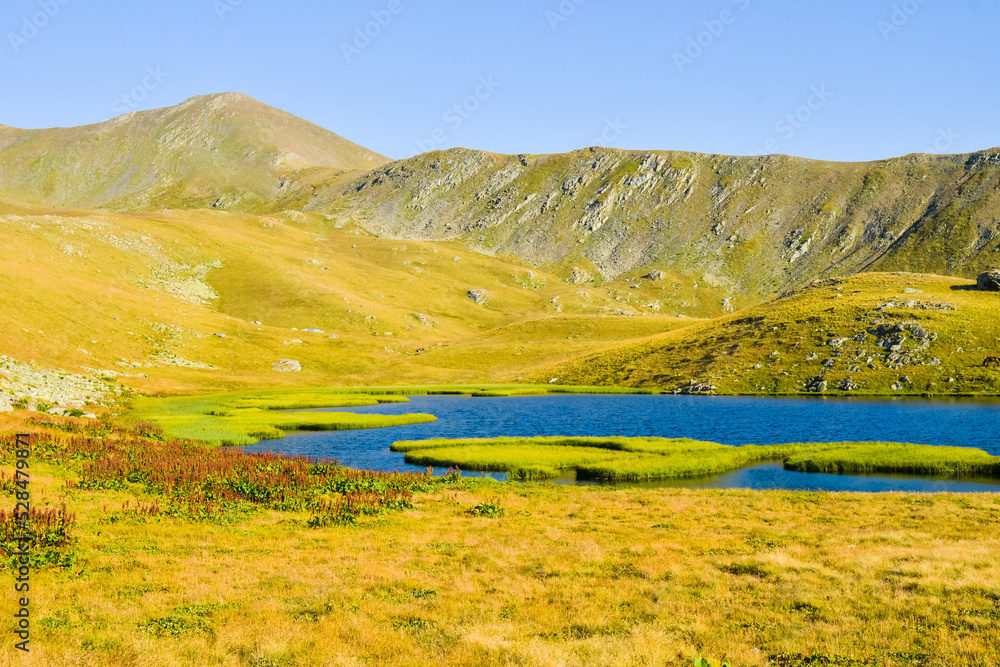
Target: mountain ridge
[[755, 226]]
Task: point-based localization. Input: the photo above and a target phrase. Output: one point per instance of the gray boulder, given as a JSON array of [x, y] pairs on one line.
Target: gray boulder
[[847, 384], [817, 385], [989, 281]]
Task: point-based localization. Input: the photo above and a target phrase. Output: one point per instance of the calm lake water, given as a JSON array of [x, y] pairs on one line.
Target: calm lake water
[[727, 420]]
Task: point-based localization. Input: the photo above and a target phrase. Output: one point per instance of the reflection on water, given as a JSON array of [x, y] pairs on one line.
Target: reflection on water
[[728, 420]]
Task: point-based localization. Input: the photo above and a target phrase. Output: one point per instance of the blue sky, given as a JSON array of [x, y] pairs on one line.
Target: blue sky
[[844, 80]]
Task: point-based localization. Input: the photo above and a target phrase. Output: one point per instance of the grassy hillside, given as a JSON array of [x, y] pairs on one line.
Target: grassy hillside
[[141, 299], [875, 333]]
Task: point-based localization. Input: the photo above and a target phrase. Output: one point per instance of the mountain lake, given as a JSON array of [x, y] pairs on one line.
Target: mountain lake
[[726, 420]]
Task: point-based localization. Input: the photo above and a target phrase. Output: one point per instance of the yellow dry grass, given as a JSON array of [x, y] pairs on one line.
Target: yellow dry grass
[[568, 576]]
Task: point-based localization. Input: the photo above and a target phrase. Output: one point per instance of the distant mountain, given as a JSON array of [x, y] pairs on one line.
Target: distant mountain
[[226, 149], [749, 227]]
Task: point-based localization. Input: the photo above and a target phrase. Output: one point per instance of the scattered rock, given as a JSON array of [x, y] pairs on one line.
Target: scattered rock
[[817, 385], [294, 341], [654, 275], [287, 366], [812, 357], [905, 380], [915, 305], [579, 276], [52, 386], [6, 407], [693, 387], [58, 412], [989, 281], [727, 305], [425, 320], [334, 336], [219, 335], [829, 363], [837, 342], [171, 359], [480, 296], [896, 386], [910, 290], [847, 384], [88, 415]]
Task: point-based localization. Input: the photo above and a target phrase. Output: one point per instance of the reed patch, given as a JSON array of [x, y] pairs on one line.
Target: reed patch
[[621, 459]]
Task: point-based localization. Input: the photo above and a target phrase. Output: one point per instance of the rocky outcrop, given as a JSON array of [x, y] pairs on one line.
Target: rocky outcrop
[[817, 385], [480, 296], [847, 384], [287, 366], [31, 384], [693, 387], [989, 281]]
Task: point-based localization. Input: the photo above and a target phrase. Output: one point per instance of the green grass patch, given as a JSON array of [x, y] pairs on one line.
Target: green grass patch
[[244, 418], [898, 458], [643, 459]]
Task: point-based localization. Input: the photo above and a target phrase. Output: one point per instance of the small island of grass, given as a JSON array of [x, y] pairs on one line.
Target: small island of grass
[[620, 459]]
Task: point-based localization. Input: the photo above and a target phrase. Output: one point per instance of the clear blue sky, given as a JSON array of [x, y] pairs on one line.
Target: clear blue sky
[[892, 76]]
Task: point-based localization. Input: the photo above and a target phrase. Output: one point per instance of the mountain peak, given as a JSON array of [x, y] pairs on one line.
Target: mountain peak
[[210, 147]]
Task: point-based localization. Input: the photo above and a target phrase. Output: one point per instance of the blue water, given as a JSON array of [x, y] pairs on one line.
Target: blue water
[[728, 420]]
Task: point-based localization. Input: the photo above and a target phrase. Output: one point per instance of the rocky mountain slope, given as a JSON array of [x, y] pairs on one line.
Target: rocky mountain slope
[[210, 151], [753, 226]]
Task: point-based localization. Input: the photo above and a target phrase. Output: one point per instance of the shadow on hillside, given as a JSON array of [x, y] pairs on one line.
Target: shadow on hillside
[[966, 288]]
